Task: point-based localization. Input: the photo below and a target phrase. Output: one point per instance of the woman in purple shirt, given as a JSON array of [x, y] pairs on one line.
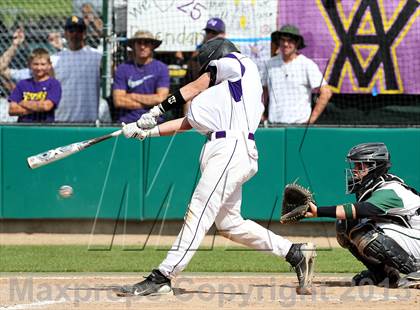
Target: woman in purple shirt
[[35, 99]]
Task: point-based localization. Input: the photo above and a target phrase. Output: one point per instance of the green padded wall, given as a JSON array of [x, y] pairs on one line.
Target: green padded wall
[[263, 193], [170, 174], [100, 175], [129, 179], [1, 175]]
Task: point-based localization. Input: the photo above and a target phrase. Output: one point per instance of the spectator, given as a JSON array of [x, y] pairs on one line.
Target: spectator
[[93, 23], [289, 79], [179, 58], [55, 41], [6, 84], [215, 27], [78, 70], [35, 99], [6, 57], [141, 83]]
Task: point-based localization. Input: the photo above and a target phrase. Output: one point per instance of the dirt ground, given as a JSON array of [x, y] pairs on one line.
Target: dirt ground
[[192, 291]]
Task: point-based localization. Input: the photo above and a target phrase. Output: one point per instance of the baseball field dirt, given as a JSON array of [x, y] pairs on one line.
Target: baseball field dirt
[[198, 291]]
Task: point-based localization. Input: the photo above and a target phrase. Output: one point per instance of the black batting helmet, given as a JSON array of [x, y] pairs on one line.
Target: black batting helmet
[[375, 156], [214, 49]]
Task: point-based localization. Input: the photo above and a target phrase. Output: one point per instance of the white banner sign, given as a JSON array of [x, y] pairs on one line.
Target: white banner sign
[[179, 23]]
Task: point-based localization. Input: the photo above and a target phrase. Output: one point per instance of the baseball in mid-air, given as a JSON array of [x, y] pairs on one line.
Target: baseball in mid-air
[[66, 191]]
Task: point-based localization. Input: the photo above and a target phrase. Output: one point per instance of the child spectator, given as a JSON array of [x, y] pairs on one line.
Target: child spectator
[[36, 98]]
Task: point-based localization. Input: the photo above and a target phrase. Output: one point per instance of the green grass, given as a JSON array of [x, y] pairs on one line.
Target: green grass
[[33, 8], [37, 7], [80, 259]]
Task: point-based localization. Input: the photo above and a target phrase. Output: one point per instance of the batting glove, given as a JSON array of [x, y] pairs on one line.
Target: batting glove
[[132, 130], [149, 119]]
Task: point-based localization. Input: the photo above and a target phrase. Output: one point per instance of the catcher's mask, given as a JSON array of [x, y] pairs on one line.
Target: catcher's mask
[[367, 162], [214, 49]]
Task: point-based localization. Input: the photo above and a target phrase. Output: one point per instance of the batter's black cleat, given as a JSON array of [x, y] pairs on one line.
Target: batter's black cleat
[[155, 284], [301, 257]]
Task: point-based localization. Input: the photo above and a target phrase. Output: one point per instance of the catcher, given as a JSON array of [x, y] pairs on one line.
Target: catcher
[[382, 229]]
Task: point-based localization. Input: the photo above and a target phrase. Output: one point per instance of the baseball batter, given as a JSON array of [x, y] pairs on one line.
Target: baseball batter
[[226, 107]]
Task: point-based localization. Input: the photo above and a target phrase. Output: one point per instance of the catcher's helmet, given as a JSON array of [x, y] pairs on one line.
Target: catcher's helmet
[[373, 156], [214, 49]]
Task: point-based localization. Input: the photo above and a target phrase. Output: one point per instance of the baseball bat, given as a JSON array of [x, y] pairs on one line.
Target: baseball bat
[[61, 152]]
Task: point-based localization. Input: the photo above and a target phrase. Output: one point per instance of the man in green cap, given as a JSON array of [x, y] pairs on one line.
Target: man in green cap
[[289, 78]]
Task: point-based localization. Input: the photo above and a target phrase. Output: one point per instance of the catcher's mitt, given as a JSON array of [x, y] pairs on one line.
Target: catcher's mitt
[[295, 203]]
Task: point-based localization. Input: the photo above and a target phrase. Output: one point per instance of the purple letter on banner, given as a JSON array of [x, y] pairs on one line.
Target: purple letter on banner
[[364, 44]]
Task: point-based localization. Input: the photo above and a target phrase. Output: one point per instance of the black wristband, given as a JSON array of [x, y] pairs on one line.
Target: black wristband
[[327, 211], [172, 101]]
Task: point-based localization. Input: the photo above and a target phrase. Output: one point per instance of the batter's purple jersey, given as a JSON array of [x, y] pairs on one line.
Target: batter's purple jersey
[[139, 79], [29, 89]]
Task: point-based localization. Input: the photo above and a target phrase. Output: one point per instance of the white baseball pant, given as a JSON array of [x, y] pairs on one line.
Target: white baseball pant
[[226, 164]]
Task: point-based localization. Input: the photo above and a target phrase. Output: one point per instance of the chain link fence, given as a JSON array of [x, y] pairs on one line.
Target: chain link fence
[[42, 23], [26, 26]]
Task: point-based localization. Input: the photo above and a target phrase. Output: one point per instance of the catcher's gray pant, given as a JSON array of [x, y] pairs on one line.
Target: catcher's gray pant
[[226, 164], [376, 244], [407, 238]]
